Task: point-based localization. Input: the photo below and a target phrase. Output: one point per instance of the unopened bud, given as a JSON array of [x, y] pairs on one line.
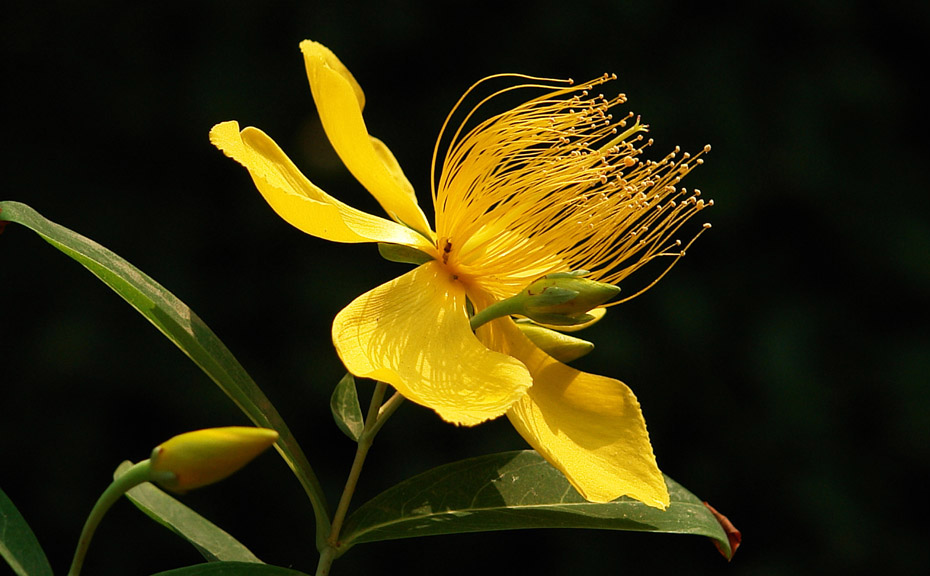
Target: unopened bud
[[565, 298], [206, 456], [560, 299]]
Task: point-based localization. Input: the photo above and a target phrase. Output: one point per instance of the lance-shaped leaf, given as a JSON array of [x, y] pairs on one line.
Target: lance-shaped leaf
[[231, 569], [18, 544], [514, 490], [214, 543], [187, 331]]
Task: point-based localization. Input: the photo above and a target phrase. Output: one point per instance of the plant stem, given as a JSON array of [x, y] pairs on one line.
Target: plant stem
[[135, 475], [374, 420], [386, 410], [326, 560], [364, 443]]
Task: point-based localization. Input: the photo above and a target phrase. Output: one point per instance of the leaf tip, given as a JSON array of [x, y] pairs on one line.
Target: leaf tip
[[733, 535]]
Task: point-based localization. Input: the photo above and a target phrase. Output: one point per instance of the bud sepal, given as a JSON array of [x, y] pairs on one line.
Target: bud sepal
[[562, 347]]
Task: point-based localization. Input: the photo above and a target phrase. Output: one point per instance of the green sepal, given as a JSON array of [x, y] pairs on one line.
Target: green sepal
[[562, 347], [402, 254], [346, 409], [550, 296], [571, 274], [562, 319]]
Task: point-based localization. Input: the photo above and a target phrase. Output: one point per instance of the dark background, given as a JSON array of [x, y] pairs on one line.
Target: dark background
[[782, 365]]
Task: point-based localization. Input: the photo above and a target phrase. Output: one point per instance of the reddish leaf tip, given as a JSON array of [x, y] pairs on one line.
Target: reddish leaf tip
[[733, 535]]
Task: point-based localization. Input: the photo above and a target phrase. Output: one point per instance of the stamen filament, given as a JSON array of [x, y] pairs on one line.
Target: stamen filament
[[556, 184]]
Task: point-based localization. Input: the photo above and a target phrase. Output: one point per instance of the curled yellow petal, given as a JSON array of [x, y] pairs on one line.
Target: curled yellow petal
[[206, 456], [339, 101], [413, 334], [299, 201], [588, 426]]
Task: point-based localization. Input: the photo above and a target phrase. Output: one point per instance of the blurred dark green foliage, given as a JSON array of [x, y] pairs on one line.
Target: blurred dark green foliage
[[782, 365]]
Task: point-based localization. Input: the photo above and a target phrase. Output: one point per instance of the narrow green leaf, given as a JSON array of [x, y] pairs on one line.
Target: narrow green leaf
[[182, 326], [231, 569], [212, 541], [513, 490], [18, 545], [346, 410]]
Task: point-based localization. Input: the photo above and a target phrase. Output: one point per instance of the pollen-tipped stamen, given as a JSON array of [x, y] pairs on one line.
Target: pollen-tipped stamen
[[555, 183]]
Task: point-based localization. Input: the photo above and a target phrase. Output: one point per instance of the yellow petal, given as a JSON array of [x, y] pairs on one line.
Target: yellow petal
[[339, 101], [413, 334], [588, 426], [298, 200]]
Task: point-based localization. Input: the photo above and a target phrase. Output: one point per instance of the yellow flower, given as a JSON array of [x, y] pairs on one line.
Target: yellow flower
[[206, 456], [552, 185]]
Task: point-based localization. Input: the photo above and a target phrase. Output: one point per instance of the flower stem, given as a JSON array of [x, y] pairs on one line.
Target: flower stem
[[135, 475], [496, 310], [374, 420]]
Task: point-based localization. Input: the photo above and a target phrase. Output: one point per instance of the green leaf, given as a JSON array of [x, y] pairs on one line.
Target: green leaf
[[346, 410], [513, 490], [212, 541], [182, 326], [231, 569], [18, 545]]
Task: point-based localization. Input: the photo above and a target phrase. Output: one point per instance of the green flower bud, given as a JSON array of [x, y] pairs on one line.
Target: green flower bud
[[560, 299], [564, 299], [206, 456], [562, 347]]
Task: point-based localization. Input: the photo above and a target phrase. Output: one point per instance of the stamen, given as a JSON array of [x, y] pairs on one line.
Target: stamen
[[553, 185]]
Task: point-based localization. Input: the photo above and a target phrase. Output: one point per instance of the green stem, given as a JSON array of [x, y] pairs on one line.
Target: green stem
[[498, 309], [385, 412], [374, 420], [326, 560], [135, 475]]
